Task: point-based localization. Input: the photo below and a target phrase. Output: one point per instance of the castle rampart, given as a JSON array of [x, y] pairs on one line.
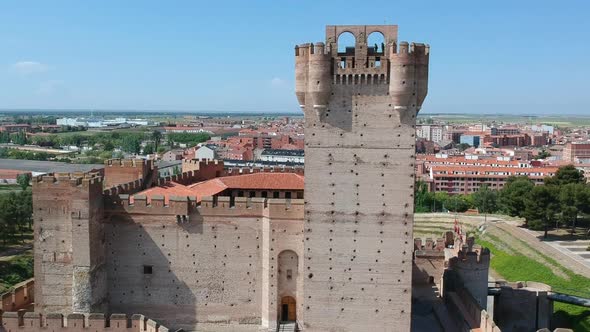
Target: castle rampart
[[33, 322], [21, 296]]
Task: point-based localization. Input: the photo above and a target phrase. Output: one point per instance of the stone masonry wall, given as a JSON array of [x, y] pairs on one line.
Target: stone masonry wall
[[359, 169], [211, 268]]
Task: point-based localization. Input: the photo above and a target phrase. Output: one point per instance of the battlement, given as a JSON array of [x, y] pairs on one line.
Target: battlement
[[320, 68], [33, 322], [185, 178], [19, 297], [67, 179], [202, 162], [471, 256], [429, 244], [139, 204], [309, 49], [129, 163], [125, 188], [405, 48], [255, 206]]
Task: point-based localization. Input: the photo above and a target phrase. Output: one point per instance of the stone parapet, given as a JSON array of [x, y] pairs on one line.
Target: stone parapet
[[67, 180], [32, 322], [19, 297]]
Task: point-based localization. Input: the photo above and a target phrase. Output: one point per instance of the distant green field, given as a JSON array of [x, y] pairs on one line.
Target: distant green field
[[559, 121]]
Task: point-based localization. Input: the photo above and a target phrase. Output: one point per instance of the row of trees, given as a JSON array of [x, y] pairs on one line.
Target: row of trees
[[563, 199], [16, 138], [26, 155], [16, 209]]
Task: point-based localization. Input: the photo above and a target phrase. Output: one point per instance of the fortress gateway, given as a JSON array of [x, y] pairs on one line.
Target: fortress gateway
[[212, 250]]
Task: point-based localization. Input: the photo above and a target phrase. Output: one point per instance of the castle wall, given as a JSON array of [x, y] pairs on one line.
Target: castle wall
[[524, 307], [205, 169], [205, 270]]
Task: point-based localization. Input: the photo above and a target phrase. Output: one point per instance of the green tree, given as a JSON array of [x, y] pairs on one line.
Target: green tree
[[456, 203], [544, 154], [109, 146], [511, 198], [23, 180], [485, 200], [4, 137], [574, 199], [422, 198], [148, 149], [157, 137], [131, 144], [566, 174], [541, 207], [19, 138]]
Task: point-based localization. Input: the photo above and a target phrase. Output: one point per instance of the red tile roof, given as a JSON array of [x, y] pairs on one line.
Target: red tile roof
[[268, 181], [259, 181], [167, 190]]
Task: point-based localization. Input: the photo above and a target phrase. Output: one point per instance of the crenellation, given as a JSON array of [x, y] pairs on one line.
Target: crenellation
[[65, 180], [96, 322], [21, 296], [139, 204]]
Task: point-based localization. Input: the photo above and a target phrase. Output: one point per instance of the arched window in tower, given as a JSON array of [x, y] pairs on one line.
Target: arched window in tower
[[375, 48], [376, 43], [346, 42]]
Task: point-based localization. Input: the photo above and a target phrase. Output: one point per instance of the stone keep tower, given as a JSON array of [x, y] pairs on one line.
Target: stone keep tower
[[70, 273], [360, 109]]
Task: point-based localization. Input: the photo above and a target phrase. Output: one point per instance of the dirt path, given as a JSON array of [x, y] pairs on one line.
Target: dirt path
[[11, 252]]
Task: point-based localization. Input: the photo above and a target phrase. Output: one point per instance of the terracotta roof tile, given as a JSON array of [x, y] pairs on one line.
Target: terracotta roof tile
[[261, 181], [269, 181]]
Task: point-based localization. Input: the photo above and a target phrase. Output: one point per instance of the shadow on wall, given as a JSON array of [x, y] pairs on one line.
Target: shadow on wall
[[142, 277]]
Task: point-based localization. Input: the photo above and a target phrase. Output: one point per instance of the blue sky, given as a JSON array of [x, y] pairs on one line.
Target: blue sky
[[498, 56]]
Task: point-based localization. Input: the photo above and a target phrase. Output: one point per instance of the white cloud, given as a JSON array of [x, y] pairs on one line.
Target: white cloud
[[49, 88], [277, 81], [29, 67]]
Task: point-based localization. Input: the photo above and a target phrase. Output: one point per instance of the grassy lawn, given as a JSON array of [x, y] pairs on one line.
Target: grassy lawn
[[518, 267], [15, 270]]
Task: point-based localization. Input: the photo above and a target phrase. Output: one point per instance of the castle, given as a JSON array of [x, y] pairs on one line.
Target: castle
[[210, 250]]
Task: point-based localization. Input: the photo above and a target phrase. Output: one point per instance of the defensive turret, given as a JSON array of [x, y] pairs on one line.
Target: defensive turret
[[319, 80], [301, 67], [408, 73]]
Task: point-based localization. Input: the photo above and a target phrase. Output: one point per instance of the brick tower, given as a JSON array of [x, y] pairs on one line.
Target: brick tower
[[360, 109], [70, 274]]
